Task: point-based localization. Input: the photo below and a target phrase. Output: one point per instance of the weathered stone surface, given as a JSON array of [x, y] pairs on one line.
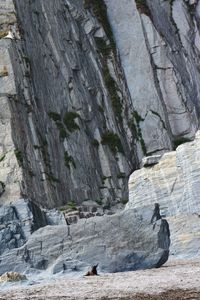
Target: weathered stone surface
[[174, 184], [17, 222], [54, 217], [64, 112], [64, 89], [125, 241], [76, 118], [155, 43], [10, 173], [185, 235], [151, 160]]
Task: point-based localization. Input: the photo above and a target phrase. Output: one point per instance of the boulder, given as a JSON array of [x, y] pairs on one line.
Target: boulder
[[120, 242], [12, 276]]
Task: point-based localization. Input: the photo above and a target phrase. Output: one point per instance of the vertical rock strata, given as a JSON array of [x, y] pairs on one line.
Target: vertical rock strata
[[71, 109], [158, 43], [10, 173], [85, 96]]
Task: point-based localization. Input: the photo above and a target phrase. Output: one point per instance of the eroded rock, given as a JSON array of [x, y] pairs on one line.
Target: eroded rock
[[121, 242], [17, 222], [174, 184]]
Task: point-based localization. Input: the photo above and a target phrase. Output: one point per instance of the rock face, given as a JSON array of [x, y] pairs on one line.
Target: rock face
[[185, 235], [17, 222], [124, 241], [87, 89], [174, 184], [158, 42], [118, 82], [69, 97], [10, 173]]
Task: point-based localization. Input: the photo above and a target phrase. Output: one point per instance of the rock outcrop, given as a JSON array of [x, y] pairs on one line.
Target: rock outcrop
[[158, 42], [17, 222], [173, 183], [121, 242], [10, 172], [87, 88]]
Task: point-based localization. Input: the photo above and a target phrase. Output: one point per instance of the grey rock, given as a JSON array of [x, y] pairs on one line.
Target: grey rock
[[121, 242], [154, 69], [18, 221], [150, 160], [174, 184], [185, 236], [54, 163], [54, 217]]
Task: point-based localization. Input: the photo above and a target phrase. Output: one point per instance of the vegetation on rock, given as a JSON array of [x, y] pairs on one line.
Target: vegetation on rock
[[113, 141]]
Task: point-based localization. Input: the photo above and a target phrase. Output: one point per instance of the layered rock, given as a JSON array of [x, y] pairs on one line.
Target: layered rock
[[158, 42], [173, 183], [10, 173], [18, 221], [71, 93], [124, 241], [185, 235], [86, 91], [72, 108]]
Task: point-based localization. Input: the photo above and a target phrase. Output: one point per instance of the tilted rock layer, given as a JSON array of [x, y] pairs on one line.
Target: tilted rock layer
[[124, 241], [173, 183], [87, 88]]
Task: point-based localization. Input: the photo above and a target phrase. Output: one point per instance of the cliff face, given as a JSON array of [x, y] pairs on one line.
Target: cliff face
[[71, 108], [159, 50], [87, 91]]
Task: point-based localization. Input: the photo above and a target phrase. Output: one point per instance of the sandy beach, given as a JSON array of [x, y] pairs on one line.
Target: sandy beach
[[178, 279]]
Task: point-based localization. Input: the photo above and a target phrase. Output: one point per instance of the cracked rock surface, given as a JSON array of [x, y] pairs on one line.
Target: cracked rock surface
[[18, 221], [121, 242], [173, 183], [119, 81]]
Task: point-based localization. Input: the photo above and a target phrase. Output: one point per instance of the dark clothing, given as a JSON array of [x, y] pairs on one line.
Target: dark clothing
[[156, 213]]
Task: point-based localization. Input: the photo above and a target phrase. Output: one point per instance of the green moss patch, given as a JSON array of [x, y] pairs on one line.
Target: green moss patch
[[134, 125], [70, 120], [112, 90], [99, 9], [2, 157], [113, 141], [19, 157]]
